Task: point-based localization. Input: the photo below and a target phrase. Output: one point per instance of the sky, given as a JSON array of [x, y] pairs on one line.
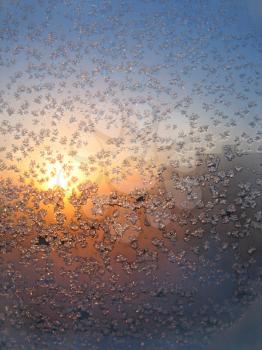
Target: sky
[[120, 89]]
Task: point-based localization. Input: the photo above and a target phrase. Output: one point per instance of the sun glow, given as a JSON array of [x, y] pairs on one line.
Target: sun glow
[[57, 178]]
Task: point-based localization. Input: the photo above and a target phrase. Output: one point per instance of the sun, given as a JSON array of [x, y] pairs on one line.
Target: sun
[[57, 178]]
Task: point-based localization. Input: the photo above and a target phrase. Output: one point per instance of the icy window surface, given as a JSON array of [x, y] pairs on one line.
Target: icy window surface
[[130, 174]]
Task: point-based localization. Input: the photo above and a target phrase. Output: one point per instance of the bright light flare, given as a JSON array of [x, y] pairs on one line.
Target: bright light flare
[[57, 178]]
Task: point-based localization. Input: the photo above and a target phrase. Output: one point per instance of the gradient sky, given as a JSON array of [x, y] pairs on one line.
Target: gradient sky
[[128, 69]]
